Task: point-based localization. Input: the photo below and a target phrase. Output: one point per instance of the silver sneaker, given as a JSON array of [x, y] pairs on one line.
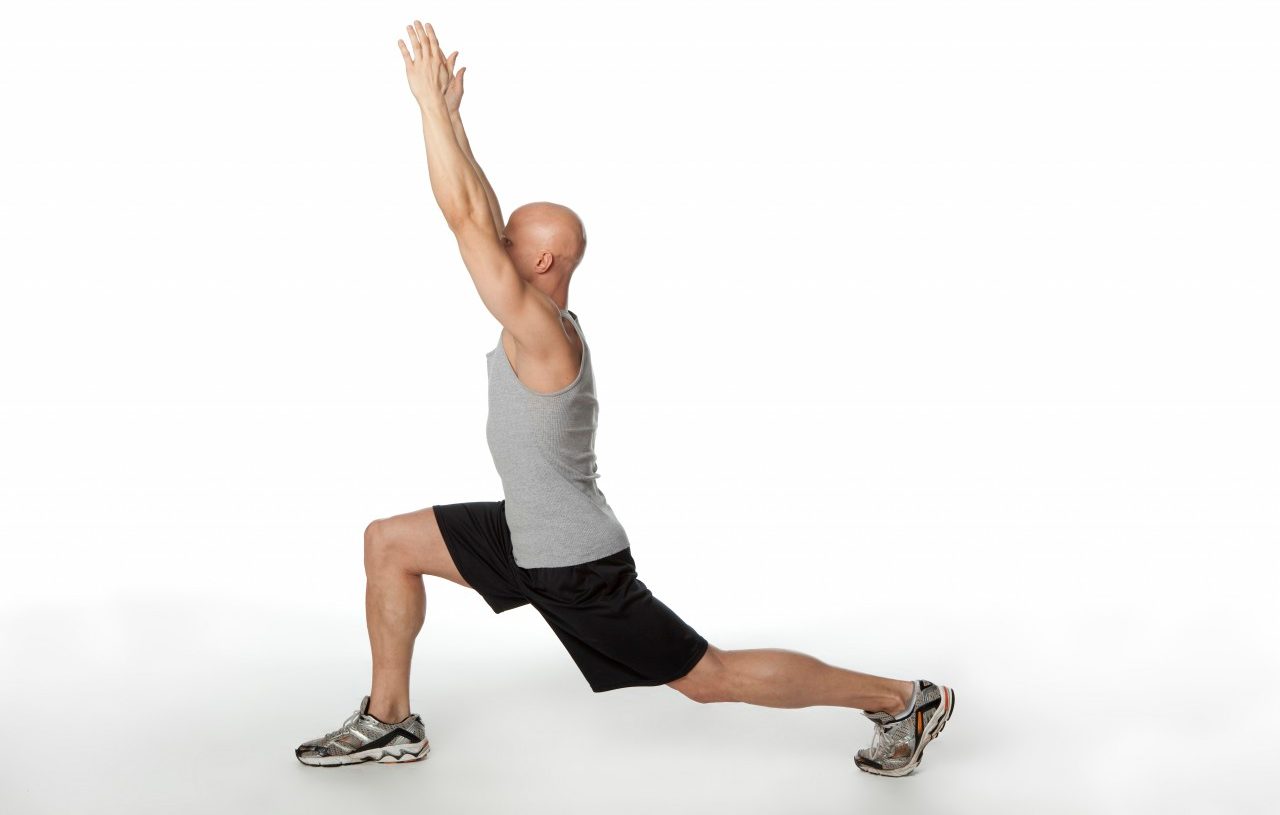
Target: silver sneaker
[[363, 738], [898, 745]]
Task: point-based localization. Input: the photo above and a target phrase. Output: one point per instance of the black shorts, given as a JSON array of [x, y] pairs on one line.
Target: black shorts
[[617, 632]]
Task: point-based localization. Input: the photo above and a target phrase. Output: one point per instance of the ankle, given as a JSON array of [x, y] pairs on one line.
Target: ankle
[[899, 704], [390, 713]]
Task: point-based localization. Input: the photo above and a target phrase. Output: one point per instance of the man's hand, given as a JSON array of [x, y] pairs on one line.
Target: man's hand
[[430, 74], [453, 94]]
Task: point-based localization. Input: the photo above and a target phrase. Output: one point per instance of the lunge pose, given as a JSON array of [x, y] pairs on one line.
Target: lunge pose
[[553, 541]]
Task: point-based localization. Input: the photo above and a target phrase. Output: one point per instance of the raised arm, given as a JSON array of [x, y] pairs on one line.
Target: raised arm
[[465, 202], [452, 101], [454, 181]]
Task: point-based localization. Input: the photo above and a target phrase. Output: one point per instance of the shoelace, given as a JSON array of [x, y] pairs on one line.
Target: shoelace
[[880, 734], [350, 721]]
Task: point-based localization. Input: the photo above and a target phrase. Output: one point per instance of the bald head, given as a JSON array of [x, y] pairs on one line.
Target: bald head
[[546, 242]]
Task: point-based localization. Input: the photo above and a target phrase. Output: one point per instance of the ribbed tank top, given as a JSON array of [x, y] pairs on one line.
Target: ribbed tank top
[[543, 446]]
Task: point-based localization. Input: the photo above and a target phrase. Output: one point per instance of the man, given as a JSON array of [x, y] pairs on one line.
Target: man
[[553, 542]]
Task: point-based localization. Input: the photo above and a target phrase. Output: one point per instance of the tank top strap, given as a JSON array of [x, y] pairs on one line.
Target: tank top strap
[[573, 318]]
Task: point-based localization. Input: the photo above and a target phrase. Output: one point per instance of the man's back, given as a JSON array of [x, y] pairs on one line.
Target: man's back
[[543, 446]]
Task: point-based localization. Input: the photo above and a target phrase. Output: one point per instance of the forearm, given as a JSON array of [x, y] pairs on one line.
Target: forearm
[[460, 133], [454, 180]]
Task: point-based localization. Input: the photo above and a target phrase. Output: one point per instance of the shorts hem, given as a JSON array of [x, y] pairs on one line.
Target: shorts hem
[[698, 653], [462, 570]]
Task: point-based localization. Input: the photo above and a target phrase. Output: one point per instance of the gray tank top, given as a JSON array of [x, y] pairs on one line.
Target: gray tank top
[[543, 446]]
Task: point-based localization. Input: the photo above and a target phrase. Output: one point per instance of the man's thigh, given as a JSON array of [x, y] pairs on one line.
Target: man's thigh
[[413, 541]]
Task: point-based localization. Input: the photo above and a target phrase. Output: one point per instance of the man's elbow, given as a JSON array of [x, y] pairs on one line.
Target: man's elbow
[[468, 218]]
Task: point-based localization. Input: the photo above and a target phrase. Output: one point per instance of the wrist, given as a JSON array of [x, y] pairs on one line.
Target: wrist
[[432, 104]]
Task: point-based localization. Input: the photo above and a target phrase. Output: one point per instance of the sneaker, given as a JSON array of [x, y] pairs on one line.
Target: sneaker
[[363, 738], [897, 746]]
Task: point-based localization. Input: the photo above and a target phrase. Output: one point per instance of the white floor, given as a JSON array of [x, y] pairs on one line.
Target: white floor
[[147, 702]]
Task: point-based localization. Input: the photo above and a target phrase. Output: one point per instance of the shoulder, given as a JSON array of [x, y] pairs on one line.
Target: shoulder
[[537, 329]]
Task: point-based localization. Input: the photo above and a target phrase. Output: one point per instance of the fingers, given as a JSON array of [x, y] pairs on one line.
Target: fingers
[[431, 39], [446, 68], [428, 38], [417, 43], [425, 46]]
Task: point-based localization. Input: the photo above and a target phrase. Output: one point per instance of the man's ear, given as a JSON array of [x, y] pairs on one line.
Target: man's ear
[[545, 261]]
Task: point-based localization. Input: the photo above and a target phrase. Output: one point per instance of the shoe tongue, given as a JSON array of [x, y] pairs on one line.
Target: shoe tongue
[[364, 706]]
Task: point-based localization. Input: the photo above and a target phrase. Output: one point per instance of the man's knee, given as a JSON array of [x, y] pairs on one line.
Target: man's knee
[[708, 681], [380, 550]]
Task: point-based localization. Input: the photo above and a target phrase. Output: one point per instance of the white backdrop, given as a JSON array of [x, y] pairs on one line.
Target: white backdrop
[[932, 339]]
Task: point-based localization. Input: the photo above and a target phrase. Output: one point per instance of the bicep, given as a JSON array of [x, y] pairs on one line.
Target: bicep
[[504, 292]]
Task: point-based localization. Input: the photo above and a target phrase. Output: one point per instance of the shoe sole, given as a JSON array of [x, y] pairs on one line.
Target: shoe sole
[[392, 754], [931, 731]]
